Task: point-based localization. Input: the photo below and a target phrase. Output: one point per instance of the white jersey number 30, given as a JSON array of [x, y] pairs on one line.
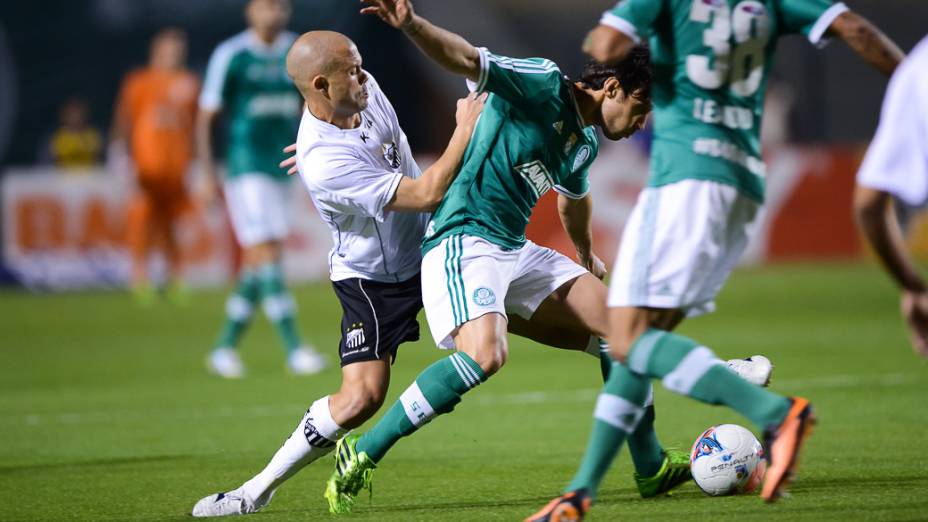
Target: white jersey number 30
[[742, 68]]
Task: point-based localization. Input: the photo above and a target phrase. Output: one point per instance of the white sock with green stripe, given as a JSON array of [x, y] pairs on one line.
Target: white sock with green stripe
[[436, 391]]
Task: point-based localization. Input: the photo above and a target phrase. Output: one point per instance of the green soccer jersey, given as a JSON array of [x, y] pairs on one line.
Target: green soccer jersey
[[711, 62], [529, 140], [248, 80]]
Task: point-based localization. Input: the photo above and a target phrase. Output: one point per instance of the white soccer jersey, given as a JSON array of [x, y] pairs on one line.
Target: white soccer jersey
[[351, 175], [897, 161]]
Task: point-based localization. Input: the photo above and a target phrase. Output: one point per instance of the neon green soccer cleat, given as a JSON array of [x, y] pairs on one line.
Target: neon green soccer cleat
[[353, 472], [675, 470]]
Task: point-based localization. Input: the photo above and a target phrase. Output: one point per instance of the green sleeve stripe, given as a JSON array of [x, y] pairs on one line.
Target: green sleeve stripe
[[523, 65], [622, 25], [528, 64]]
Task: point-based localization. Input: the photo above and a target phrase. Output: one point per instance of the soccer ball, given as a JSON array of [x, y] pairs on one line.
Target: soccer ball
[[727, 460]]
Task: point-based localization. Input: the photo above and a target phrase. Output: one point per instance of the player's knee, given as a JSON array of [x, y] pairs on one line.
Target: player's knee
[[363, 402], [491, 357], [619, 353], [620, 344]]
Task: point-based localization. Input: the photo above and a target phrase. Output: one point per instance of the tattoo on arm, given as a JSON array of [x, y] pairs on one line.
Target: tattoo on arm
[[868, 42]]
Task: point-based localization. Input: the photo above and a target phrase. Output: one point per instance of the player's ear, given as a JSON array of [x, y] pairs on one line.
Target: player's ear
[[320, 83], [612, 88]]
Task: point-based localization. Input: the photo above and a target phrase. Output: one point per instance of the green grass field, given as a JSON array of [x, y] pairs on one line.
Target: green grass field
[[107, 414]]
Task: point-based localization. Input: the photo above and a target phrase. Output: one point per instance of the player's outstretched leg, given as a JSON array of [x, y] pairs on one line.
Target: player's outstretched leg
[[314, 437], [687, 368], [657, 471], [224, 360], [619, 409], [280, 309], [437, 390]]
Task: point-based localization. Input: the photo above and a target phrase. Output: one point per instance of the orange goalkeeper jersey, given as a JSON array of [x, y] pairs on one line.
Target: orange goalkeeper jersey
[[160, 108]]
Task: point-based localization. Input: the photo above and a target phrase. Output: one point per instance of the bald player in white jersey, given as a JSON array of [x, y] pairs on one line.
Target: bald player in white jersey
[[355, 160], [896, 165]]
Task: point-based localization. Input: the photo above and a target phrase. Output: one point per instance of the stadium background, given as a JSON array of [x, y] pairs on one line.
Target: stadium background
[[106, 413], [61, 231]]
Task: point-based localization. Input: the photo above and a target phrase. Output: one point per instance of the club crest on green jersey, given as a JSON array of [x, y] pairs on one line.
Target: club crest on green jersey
[[484, 296], [582, 155]]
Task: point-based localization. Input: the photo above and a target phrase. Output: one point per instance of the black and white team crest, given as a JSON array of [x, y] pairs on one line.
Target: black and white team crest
[[392, 154], [312, 434], [355, 337]]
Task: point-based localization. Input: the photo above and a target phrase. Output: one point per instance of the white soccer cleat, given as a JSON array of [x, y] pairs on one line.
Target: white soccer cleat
[[223, 504], [306, 361], [225, 363], [755, 369]]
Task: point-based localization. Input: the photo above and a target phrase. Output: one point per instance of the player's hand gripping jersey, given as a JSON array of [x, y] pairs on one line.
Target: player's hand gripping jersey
[[529, 140], [711, 63]]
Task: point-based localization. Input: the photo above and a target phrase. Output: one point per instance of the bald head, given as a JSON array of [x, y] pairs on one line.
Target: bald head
[[326, 68], [318, 53]]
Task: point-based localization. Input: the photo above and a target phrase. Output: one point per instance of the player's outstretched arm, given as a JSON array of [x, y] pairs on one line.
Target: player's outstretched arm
[[450, 50], [867, 41], [577, 219], [879, 224], [607, 44], [424, 193]]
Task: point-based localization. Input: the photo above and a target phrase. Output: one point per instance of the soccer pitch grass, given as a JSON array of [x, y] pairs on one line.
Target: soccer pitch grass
[[106, 412]]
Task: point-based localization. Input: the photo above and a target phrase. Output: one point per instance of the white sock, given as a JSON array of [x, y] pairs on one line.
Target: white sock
[[315, 436]]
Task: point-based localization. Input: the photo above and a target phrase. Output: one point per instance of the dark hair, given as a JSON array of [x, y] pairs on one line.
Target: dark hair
[[633, 72]]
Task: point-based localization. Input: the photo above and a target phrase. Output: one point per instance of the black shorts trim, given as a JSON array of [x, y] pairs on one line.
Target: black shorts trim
[[377, 318]]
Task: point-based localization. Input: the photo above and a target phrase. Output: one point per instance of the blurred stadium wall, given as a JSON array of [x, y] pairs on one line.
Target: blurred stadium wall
[[64, 233]]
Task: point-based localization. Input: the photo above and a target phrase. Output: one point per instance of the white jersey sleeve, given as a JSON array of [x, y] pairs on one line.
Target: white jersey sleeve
[[347, 183], [897, 160]]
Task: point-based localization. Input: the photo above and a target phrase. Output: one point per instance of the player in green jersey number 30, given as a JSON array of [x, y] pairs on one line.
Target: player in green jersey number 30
[[693, 220]]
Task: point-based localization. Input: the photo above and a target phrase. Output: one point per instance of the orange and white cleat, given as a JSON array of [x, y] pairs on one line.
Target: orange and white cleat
[[783, 445], [569, 507]]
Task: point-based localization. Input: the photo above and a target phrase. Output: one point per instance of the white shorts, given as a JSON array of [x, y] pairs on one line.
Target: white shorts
[[465, 277], [680, 244], [258, 207]]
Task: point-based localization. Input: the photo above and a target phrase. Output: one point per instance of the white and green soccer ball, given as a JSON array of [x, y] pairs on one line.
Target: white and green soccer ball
[[727, 460]]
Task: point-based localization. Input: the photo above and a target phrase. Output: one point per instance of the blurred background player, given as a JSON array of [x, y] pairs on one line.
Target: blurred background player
[[154, 116], [75, 144], [896, 166], [694, 219], [247, 80]]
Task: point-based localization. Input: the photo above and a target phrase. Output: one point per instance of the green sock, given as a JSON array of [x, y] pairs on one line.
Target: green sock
[[605, 361], [279, 306], [239, 310], [647, 452], [689, 369], [618, 410], [436, 391]]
